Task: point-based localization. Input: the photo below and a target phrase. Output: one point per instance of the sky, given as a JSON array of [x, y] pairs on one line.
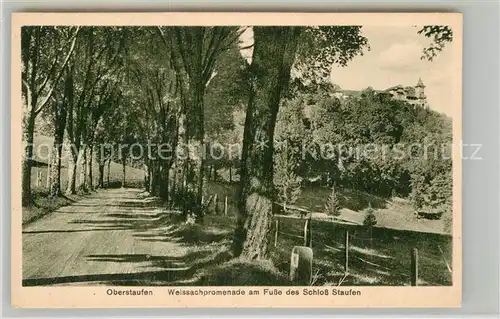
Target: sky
[[393, 59]]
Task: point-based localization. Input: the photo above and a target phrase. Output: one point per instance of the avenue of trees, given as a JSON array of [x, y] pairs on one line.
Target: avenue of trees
[[178, 90]]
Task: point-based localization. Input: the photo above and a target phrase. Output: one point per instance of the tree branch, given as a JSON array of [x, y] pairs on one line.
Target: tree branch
[[66, 60]]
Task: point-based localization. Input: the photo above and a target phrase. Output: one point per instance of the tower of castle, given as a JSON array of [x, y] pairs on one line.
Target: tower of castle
[[419, 90]]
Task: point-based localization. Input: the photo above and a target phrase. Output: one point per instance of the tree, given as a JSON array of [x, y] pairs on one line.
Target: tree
[[286, 180], [97, 59], [59, 112], [327, 127], [273, 56], [370, 219], [440, 36], [226, 93], [275, 50], [194, 52], [441, 192], [332, 206], [155, 105], [45, 53], [289, 136]]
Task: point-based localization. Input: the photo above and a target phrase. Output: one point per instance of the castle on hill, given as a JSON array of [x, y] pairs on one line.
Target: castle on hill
[[414, 95]]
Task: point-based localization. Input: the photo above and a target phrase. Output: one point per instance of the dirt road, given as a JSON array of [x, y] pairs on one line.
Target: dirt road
[[111, 237]]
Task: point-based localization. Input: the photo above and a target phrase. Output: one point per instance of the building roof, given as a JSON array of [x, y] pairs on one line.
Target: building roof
[[409, 91], [420, 83]]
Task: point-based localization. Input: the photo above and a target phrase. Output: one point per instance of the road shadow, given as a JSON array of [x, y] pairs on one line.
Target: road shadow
[[125, 221], [71, 230], [175, 268], [147, 276], [205, 246], [188, 235]]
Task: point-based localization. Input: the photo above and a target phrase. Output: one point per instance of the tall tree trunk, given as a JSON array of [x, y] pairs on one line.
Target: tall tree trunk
[[72, 167], [82, 182], [28, 133], [230, 174], [182, 161], [109, 168], [50, 163], [60, 114], [30, 61], [90, 157], [101, 162], [100, 184], [273, 56], [195, 135], [147, 176], [173, 189], [55, 185], [175, 184], [124, 164], [164, 180], [155, 179], [151, 178]]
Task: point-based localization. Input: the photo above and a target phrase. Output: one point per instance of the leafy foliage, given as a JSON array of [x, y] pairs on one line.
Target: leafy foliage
[[370, 219], [226, 92], [371, 143], [332, 206], [286, 181], [290, 132], [440, 36], [321, 47]]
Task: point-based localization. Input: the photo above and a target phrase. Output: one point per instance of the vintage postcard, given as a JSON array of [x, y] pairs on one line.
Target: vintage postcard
[[236, 160]]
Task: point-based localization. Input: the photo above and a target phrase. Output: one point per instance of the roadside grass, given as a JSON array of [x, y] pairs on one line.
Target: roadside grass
[[205, 258], [394, 213], [209, 259], [380, 257], [314, 197], [133, 177], [43, 204], [41, 147], [241, 272]]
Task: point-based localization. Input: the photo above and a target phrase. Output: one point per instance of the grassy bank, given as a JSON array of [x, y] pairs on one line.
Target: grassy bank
[[379, 258], [43, 205]]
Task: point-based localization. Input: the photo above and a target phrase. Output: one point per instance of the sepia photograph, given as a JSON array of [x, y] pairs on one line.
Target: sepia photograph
[[248, 159]]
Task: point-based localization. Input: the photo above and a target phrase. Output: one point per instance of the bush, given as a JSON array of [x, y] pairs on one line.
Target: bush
[[286, 181], [370, 219], [332, 206], [418, 190]]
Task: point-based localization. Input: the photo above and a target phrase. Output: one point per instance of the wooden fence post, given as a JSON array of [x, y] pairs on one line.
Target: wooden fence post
[[225, 205], [49, 171], [414, 267], [47, 180], [216, 204], [38, 178], [276, 230], [307, 233], [346, 251]]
